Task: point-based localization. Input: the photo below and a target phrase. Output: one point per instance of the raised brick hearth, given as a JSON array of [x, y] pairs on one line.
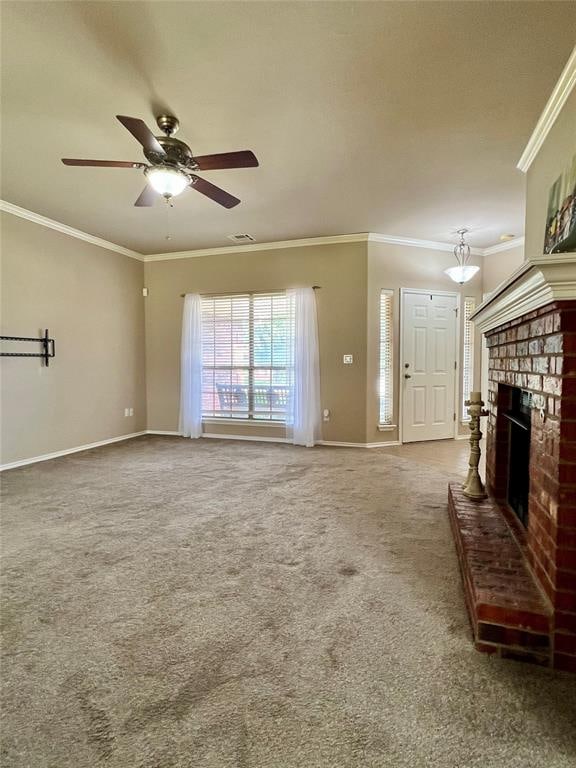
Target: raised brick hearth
[[510, 615], [520, 582]]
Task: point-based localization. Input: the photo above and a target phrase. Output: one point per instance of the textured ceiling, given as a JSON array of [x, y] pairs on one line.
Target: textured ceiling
[[404, 118]]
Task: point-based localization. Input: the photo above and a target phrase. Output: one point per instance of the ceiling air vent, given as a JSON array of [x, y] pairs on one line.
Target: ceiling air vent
[[241, 238]]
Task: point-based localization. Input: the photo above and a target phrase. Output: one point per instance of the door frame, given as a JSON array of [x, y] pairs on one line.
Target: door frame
[[424, 291]]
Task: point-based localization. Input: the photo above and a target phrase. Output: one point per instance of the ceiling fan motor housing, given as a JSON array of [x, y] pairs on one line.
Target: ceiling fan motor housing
[[177, 153]]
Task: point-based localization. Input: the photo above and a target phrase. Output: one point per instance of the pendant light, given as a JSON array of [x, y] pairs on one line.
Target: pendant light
[[464, 271]]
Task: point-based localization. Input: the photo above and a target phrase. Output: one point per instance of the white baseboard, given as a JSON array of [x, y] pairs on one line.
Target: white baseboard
[[77, 449], [462, 437], [162, 432], [262, 439], [383, 445], [170, 433], [255, 438], [337, 444]]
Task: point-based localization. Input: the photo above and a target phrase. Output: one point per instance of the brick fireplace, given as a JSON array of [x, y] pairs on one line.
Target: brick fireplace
[[517, 549]]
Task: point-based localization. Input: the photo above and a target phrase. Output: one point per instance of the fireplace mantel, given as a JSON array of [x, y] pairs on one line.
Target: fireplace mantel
[[537, 282]]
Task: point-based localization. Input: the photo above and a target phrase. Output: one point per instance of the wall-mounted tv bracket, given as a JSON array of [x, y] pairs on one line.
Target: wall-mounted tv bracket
[[48, 347]]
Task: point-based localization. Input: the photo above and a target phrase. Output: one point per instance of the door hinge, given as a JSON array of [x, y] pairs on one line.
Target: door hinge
[[455, 365], [454, 417]]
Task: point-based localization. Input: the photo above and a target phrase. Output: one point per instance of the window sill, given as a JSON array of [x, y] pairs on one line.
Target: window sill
[[243, 422], [387, 427]]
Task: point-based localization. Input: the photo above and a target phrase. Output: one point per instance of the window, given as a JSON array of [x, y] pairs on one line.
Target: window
[[468, 358], [386, 370], [246, 348]]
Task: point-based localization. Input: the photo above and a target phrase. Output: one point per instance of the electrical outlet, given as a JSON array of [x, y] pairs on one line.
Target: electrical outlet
[[348, 359], [326, 414]]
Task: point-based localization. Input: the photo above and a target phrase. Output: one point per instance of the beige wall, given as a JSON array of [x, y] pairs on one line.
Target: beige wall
[[554, 155], [91, 301], [351, 276], [395, 267], [340, 270], [90, 298], [497, 267]]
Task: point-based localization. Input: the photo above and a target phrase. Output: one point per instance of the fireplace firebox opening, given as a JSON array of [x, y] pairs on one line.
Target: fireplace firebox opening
[[517, 416]]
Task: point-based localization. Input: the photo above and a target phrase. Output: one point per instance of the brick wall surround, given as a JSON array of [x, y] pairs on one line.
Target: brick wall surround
[[537, 352]]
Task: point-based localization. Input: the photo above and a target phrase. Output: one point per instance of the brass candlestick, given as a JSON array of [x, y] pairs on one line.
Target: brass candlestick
[[473, 487]]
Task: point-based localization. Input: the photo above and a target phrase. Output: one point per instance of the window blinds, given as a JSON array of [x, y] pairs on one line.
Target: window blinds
[[246, 348], [468, 358], [386, 363]]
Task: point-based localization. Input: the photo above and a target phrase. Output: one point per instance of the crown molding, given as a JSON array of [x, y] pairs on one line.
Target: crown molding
[[562, 90], [44, 221], [432, 245], [506, 246], [361, 237]]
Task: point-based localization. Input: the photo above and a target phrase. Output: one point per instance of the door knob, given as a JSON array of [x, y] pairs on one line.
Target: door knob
[[407, 376]]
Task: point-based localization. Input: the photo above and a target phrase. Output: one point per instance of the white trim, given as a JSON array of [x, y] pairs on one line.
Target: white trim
[[256, 438], [249, 247], [337, 444], [460, 436], [458, 296], [534, 284], [244, 422], [558, 98], [387, 427], [57, 454], [516, 242], [44, 221], [171, 433], [361, 237], [433, 245]]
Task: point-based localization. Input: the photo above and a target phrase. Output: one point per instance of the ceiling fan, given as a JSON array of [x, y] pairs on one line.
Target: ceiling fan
[[172, 164]]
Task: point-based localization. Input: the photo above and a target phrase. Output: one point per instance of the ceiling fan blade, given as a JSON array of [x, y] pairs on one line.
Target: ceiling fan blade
[[214, 192], [244, 159], [103, 163], [147, 197], [141, 133]]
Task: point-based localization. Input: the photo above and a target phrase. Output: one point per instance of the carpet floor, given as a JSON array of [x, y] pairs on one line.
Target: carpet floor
[[215, 604]]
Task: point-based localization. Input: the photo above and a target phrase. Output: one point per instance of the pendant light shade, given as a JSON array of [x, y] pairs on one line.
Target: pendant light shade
[[463, 271], [167, 181]]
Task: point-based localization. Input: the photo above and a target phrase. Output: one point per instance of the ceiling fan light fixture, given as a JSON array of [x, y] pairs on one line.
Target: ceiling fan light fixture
[[167, 181]]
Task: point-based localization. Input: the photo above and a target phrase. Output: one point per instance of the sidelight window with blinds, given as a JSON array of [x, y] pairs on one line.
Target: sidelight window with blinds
[[386, 361], [468, 356], [246, 350]]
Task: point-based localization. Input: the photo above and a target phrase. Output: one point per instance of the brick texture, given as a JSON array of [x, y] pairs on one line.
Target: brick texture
[[509, 614], [537, 352]]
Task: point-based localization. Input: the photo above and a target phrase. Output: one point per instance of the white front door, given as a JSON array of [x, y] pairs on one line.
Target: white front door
[[428, 365]]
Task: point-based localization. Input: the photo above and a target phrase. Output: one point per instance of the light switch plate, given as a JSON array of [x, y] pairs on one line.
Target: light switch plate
[[348, 359]]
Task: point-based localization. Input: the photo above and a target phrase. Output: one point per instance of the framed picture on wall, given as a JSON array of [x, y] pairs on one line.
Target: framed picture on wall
[[560, 236]]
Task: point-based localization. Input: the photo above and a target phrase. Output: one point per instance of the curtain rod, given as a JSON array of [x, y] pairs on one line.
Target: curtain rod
[[242, 293]]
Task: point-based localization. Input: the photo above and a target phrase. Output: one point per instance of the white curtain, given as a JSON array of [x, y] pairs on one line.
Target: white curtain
[[303, 419], [190, 424]]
